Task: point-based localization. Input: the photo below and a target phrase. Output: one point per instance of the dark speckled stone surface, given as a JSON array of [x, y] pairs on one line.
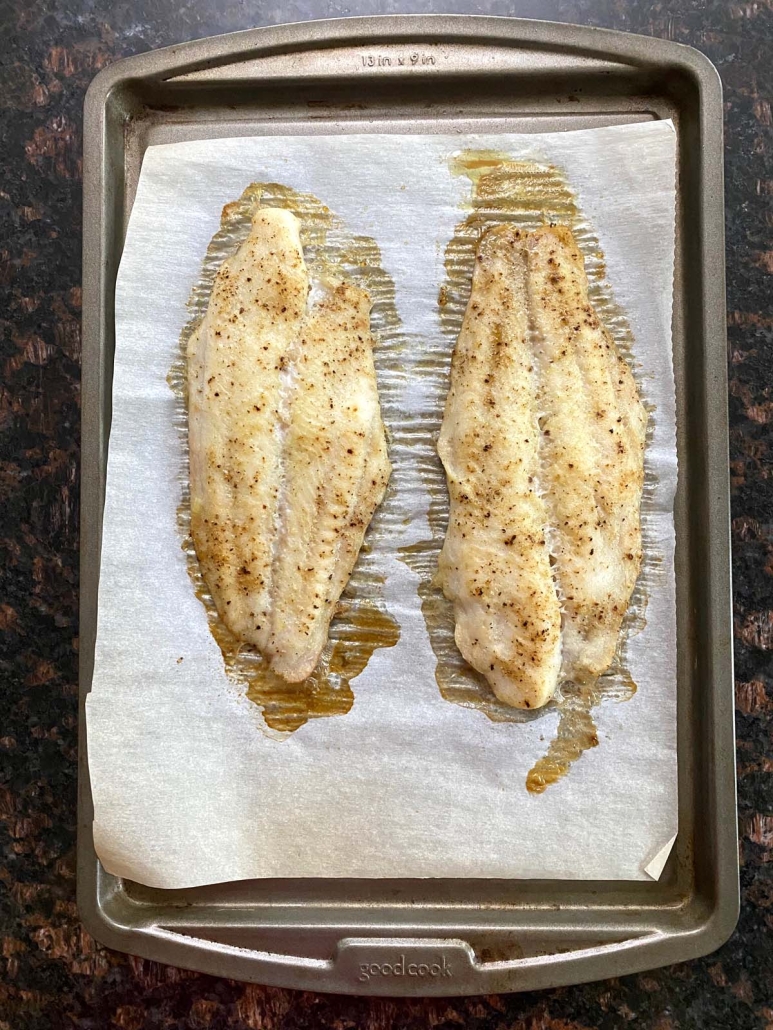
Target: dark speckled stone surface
[[51, 973]]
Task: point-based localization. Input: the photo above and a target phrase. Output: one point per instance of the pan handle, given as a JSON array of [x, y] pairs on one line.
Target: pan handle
[[414, 966]]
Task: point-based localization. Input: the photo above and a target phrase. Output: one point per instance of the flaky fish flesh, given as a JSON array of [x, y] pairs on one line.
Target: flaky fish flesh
[[543, 446], [288, 453]]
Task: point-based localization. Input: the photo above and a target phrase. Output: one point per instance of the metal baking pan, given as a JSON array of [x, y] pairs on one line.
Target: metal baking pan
[[441, 74]]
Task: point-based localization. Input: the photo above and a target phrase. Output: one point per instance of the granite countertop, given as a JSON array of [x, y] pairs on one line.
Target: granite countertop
[[52, 974]]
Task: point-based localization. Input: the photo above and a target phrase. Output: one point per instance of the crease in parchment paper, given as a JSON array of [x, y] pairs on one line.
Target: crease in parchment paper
[[187, 789]]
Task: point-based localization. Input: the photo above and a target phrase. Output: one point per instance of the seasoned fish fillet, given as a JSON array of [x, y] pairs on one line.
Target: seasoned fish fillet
[[236, 363], [288, 457], [495, 564], [543, 446], [593, 432], [336, 472]]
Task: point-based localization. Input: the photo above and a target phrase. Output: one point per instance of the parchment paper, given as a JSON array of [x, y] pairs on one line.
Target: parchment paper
[[187, 787]]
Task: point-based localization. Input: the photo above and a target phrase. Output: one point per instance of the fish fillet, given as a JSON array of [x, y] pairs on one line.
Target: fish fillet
[[336, 472], [288, 458], [593, 431], [543, 445], [495, 564]]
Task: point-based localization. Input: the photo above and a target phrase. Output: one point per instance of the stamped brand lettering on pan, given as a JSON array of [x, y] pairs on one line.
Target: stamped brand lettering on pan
[[422, 970]]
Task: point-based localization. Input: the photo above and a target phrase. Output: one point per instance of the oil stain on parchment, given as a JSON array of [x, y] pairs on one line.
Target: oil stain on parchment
[[362, 623], [529, 195]]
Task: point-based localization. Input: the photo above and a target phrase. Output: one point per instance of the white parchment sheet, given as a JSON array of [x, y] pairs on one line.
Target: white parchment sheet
[[187, 788]]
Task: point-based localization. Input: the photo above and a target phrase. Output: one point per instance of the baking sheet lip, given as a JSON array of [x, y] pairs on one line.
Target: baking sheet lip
[[648, 951], [724, 901], [715, 369], [232, 47]]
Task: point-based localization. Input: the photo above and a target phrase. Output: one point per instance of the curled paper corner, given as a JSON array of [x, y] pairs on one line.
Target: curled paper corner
[[654, 867], [121, 859], [112, 858]]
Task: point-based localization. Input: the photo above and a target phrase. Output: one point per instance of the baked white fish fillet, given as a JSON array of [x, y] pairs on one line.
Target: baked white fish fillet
[[336, 471], [288, 458], [543, 446], [495, 564], [593, 431]]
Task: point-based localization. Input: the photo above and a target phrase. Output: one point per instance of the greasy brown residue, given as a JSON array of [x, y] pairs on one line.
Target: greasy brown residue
[[361, 624], [576, 734], [528, 195], [363, 628], [576, 731]]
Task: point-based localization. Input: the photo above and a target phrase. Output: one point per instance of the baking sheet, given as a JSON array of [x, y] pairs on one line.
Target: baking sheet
[[188, 789]]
